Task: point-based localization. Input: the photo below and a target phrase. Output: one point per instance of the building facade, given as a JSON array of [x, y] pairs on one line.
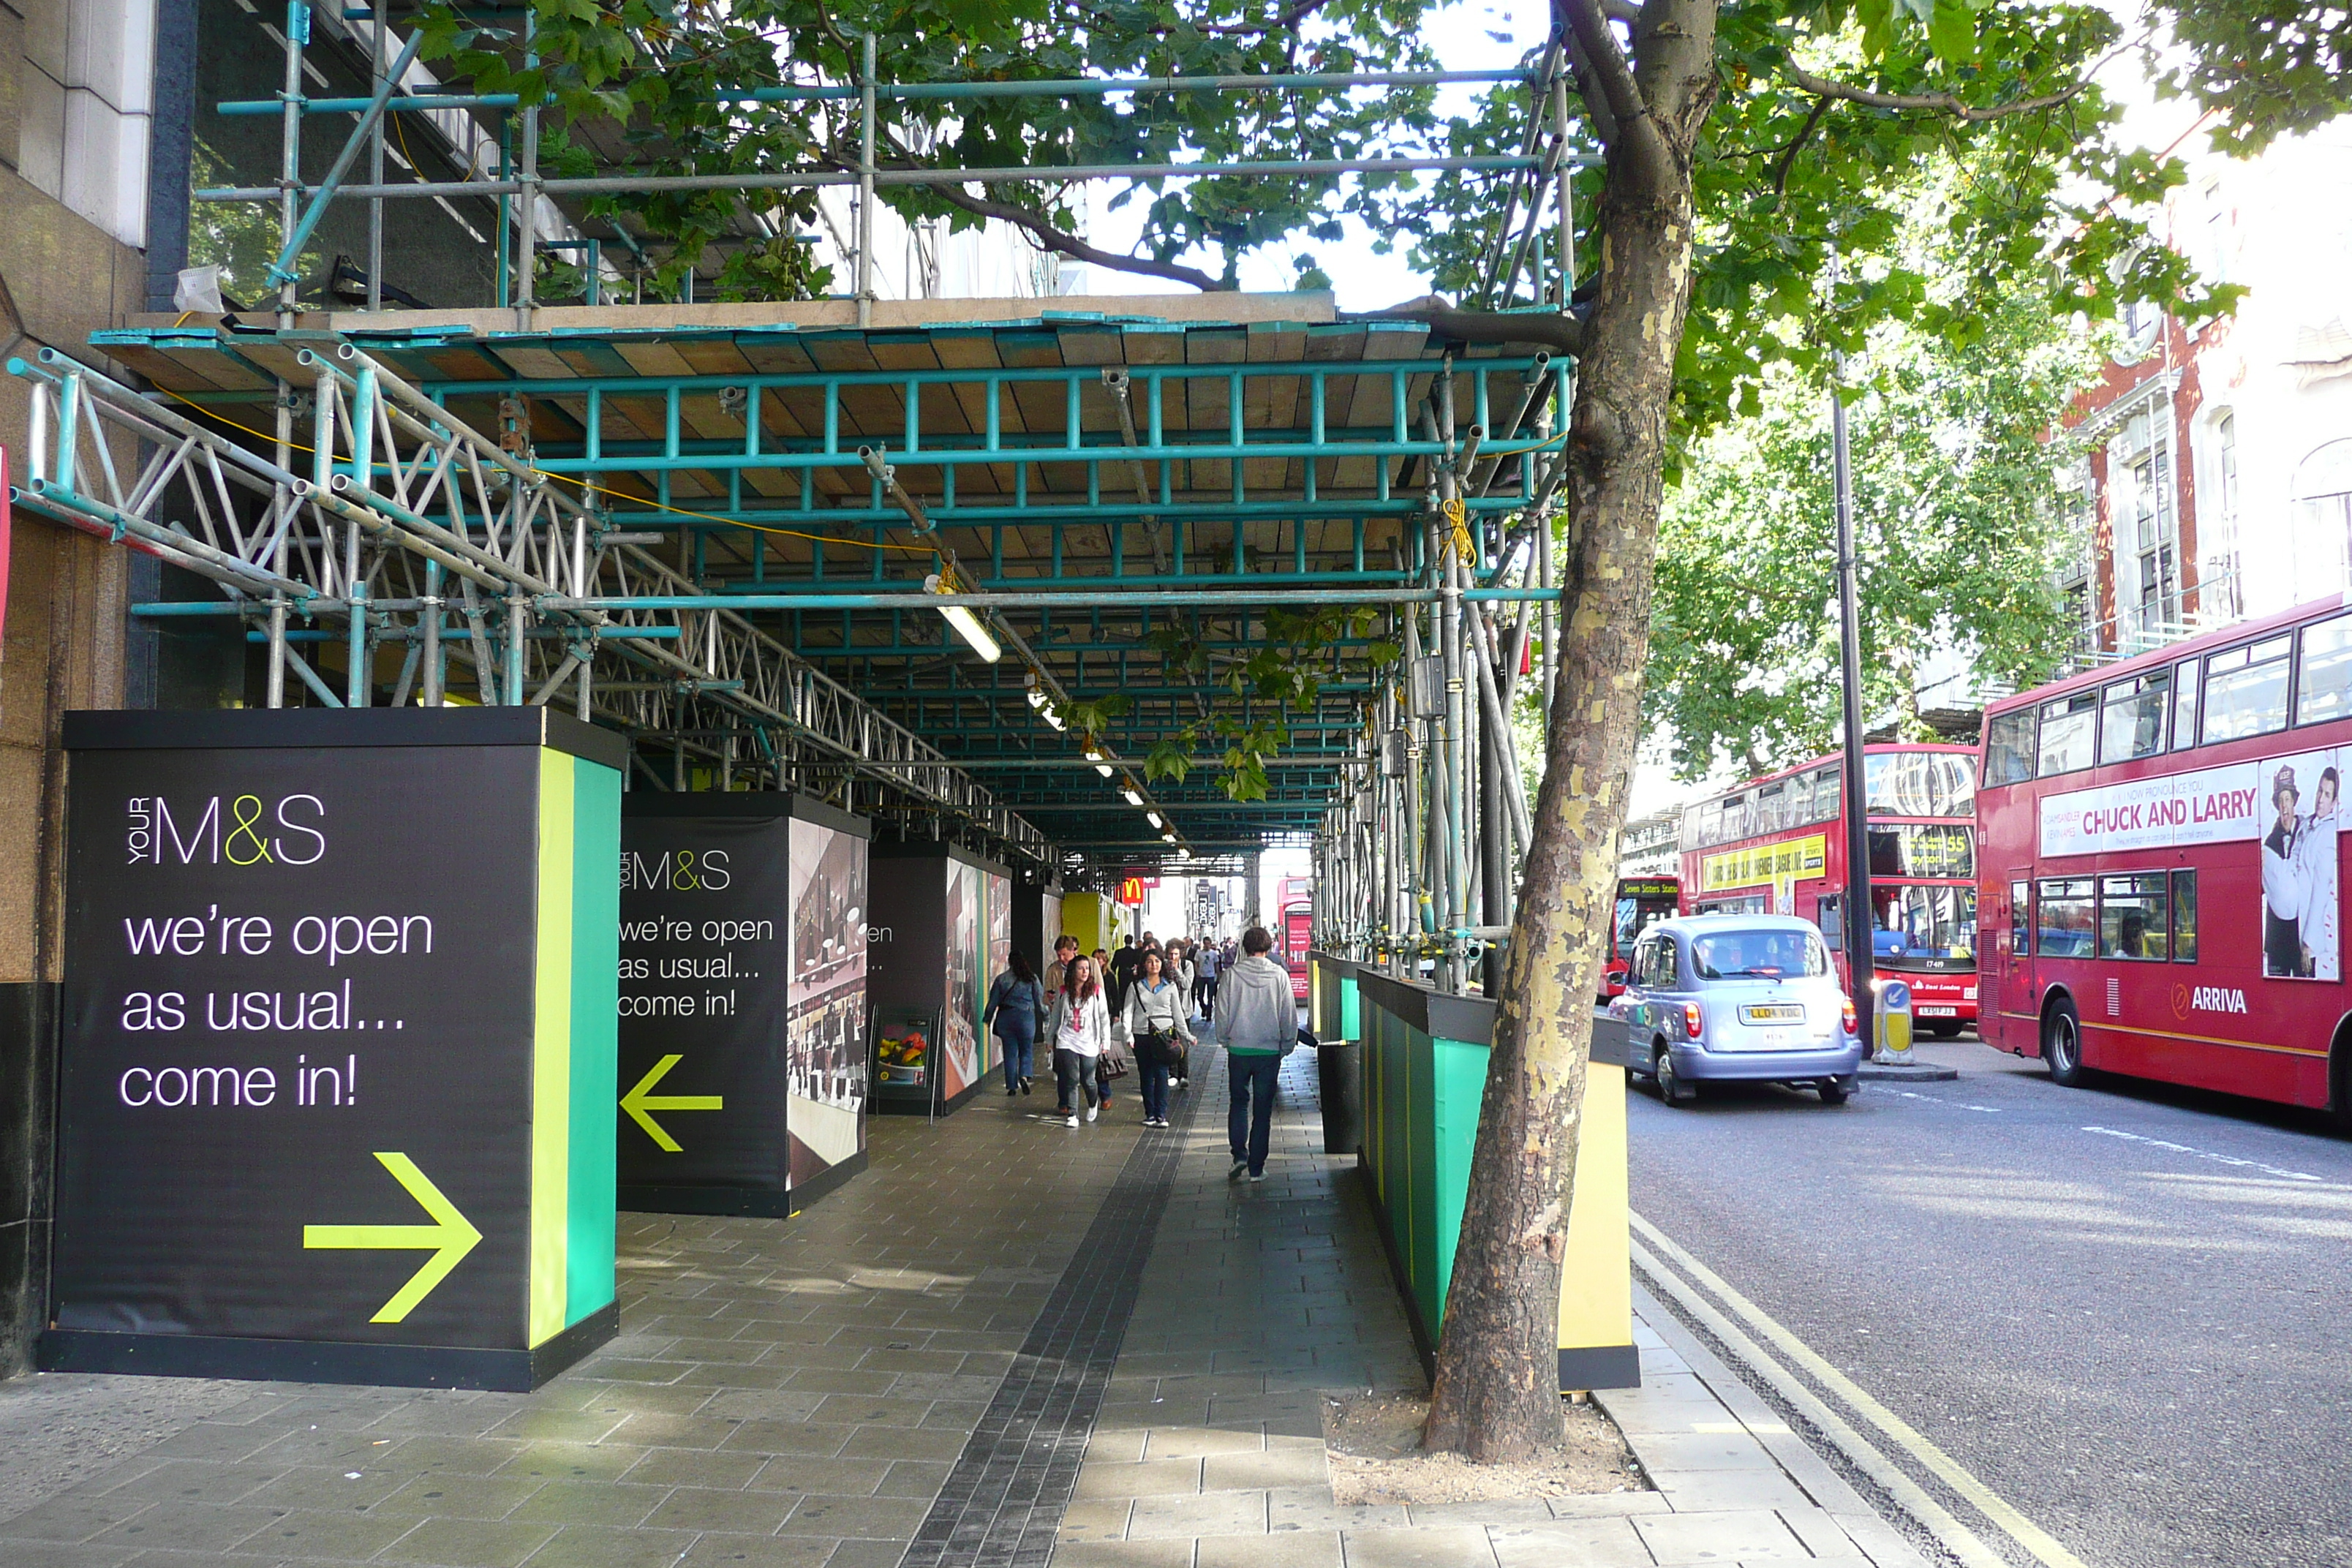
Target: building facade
[[2213, 480], [1651, 846]]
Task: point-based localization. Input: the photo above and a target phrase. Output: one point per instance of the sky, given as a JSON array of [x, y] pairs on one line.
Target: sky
[[1363, 278]]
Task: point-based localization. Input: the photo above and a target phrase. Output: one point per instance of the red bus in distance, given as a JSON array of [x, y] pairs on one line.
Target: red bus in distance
[[1778, 845], [1296, 932], [2118, 805], [1640, 901]]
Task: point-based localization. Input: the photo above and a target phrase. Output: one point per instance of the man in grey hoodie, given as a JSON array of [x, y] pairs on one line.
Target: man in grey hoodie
[[1257, 1020]]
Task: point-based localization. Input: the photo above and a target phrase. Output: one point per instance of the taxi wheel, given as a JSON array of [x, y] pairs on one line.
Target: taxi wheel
[[1832, 1092], [2061, 1047], [1672, 1089]]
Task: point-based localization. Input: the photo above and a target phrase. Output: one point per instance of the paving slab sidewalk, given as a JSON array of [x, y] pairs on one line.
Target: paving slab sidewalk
[[1259, 1298]]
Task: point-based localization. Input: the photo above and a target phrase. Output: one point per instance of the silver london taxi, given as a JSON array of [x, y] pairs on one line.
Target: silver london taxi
[[1744, 996]]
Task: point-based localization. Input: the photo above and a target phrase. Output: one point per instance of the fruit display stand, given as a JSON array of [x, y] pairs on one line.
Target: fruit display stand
[[906, 1062]]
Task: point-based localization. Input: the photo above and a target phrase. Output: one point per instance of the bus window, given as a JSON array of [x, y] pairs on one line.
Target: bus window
[[2325, 690], [1830, 915], [2246, 691], [1924, 922], [1770, 801], [2132, 724], [2132, 916], [1734, 818], [2008, 748], [2184, 917], [1920, 783], [1921, 849], [2019, 905], [1828, 786], [2069, 728], [2064, 927], [2184, 704]]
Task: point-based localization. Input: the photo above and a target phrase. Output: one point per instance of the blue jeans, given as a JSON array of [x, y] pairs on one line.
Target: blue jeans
[[1155, 1089], [1020, 1049], [1251, 1117]]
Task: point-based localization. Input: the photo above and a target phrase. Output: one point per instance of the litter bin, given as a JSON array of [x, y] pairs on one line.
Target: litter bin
[[1339, 1078], [1892, 1011]]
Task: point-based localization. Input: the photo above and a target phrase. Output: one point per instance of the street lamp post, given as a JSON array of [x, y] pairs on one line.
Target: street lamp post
[[1860, 955]]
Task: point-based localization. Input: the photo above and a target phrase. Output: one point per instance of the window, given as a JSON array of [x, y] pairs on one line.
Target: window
[[2132, 916], [1829, 914], [1776, 953], [2326, 689], [1734, 818], [1921, 849], [2184, 704], [1827, 788], [1921, 923], [1772, 804], [2246, 691], [2132, 722], [1798, 808], [2019, 905], [2009, 747], [1921, 784], [2184, 917], [1662, 966], [2069, 726], [2065, 926]]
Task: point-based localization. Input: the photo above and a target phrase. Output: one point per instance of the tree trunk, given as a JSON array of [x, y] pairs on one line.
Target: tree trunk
[[1497, 1392]]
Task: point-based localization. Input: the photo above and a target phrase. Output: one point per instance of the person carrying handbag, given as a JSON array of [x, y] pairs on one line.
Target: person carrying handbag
[[1078, 1026], [1154, 1021]]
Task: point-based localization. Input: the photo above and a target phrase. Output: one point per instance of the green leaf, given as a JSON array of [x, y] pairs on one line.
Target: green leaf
[[1951, 29]]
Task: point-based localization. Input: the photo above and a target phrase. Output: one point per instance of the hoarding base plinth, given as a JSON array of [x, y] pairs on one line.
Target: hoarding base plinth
[[303, 1360], [758, 1202], [1588, 1367]]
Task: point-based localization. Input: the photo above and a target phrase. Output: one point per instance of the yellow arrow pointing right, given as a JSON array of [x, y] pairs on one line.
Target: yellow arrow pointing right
[[450, 1238], [639, 1101]]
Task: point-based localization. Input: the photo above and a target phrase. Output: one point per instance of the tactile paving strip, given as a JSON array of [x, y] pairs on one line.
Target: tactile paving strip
[[1002, 1504]]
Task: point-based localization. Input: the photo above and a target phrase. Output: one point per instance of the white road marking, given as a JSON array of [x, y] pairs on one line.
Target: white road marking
[[2203, 1154], [1939, 1100], [2002, 1513]]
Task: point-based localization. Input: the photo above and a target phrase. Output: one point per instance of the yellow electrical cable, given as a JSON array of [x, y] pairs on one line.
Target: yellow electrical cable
[[1548, 441], [1459, 539], [603, 490]]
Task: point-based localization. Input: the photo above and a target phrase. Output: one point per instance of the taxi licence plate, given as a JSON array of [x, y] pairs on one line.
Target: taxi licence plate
[[1932, 1011]]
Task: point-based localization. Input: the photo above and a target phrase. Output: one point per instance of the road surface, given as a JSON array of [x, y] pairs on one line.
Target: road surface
[[2126, 1310]]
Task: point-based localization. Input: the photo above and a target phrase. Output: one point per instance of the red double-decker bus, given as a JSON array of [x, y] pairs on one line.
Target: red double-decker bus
[[2118, 805], [1296, 933], [1778, 845], [1640, 901]]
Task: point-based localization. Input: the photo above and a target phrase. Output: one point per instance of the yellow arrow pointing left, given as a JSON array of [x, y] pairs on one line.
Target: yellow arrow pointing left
[[450, 1238], [641, 1099]]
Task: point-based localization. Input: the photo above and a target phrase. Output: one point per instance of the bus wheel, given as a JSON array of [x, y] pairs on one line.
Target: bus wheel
[[1944, 1028], [2061, 1047]]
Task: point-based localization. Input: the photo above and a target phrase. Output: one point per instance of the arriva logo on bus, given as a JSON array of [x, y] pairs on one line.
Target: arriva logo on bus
[[2187, 999]]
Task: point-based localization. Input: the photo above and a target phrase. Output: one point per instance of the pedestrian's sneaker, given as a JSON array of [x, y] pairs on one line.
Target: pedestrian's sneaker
[[1090, 1112], [1240, 1167], [1072, 1119], [1257, 1176]]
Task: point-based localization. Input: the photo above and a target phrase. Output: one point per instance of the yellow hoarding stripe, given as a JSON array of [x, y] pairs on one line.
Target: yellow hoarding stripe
[[551, 1068]]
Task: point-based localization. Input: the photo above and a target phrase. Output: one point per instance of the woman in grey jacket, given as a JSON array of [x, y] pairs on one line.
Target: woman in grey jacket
[[1153, 1021], [1078, 1026]]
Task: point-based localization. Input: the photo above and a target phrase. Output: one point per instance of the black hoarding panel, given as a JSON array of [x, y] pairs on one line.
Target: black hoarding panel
[[281, 1015]]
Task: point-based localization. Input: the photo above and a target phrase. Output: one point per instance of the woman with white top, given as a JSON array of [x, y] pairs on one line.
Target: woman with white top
[[1182, 972], [1078, 1025], [1153, 1021]]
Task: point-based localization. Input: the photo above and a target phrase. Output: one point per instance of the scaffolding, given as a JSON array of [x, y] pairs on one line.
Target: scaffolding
[[960, 565]]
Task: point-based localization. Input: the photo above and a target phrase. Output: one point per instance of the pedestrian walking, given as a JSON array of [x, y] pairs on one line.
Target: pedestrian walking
[[1078, 1025], [1257, 1019], [1180, 975], [1157, 1031], [1204, 977], [1066, 948], [1016, 1004]]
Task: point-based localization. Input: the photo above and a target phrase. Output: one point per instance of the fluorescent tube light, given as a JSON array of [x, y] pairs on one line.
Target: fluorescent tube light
[[967, 624]]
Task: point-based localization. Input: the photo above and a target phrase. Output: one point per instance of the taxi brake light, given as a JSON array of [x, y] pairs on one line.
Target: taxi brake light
[[1851, 1025], [1692, 1019]]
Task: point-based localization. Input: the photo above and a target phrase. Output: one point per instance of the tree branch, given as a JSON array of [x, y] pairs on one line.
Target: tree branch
[[1788, 153], [1636, 134], [1041, 229], [1928, 102], [1562, 334]]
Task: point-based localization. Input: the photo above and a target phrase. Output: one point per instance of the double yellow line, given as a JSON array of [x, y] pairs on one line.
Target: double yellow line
[[1682, 1276]]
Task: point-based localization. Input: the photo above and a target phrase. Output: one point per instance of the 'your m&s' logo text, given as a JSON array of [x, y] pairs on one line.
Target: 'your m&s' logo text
[[245, 830]]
